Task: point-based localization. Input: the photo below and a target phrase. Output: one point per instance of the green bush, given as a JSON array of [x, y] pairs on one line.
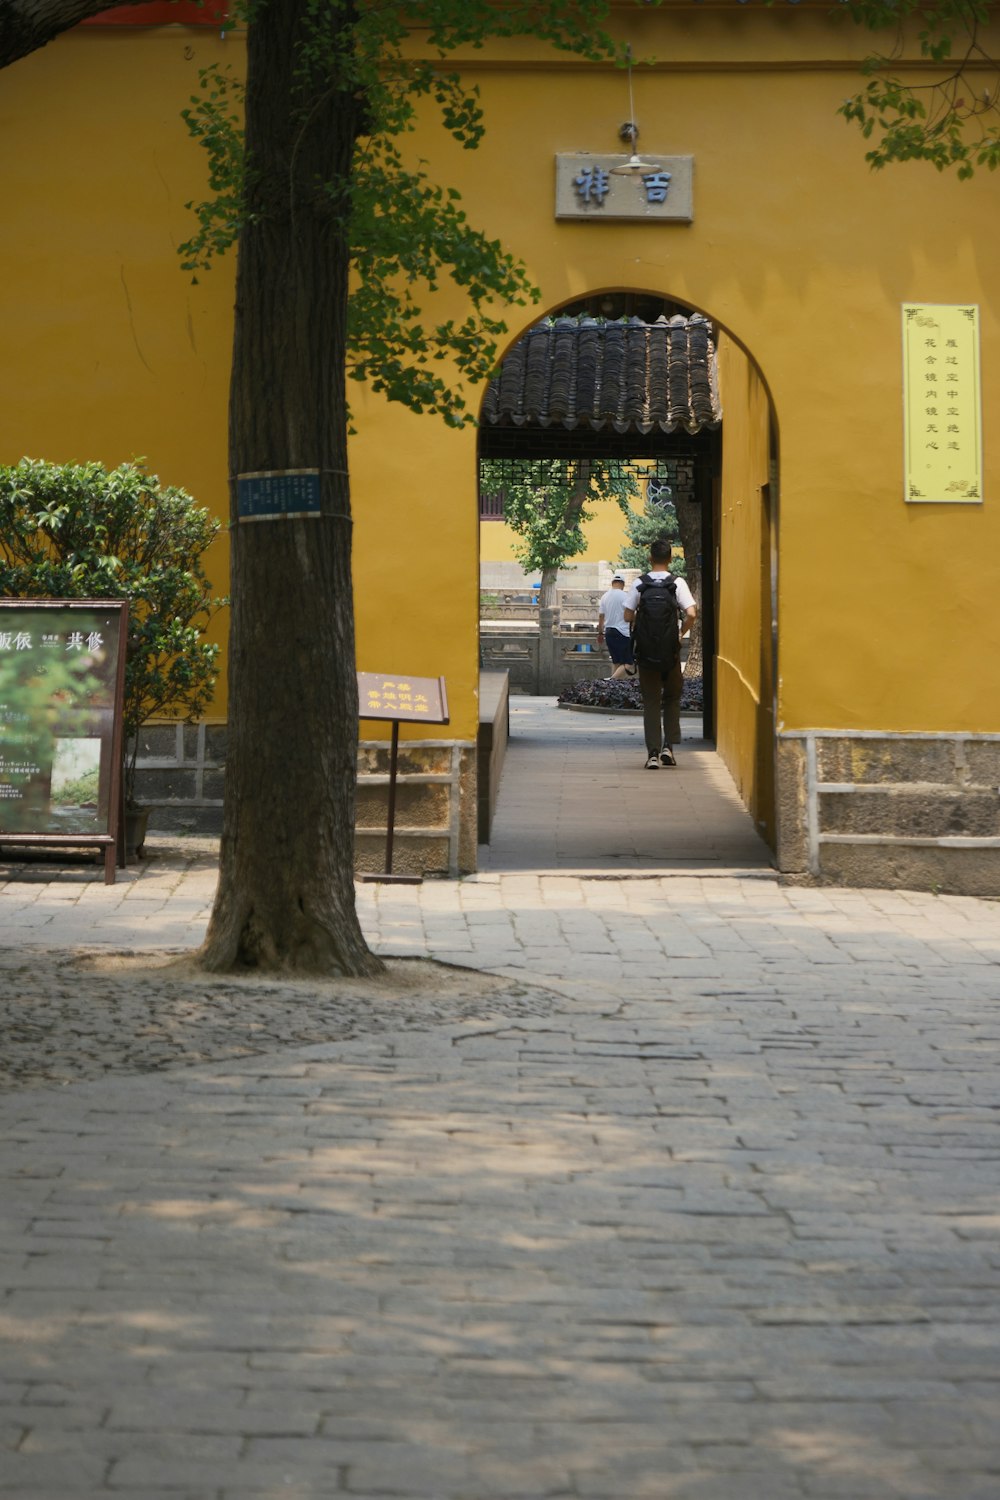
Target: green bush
[[81, 531], [656, 519]]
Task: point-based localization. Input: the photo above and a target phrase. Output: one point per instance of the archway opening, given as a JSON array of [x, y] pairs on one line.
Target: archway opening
[[629, 377]]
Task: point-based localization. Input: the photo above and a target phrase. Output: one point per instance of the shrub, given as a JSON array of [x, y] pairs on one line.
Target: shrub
[[81, 531], [617, 693]]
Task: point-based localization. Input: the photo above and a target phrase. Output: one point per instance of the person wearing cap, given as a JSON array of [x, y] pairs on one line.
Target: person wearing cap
[[613, 629]]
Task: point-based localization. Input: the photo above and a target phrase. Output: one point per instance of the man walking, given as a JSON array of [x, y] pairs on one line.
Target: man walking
[[612, 628], [652, 606]]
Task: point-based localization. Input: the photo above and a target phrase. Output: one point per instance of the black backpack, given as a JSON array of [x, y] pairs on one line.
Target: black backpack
[[655, 637]]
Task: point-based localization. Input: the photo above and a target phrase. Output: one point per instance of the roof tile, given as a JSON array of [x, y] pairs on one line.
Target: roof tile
[[628, 375]]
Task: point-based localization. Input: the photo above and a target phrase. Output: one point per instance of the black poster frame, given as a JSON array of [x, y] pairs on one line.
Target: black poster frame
[[108, 838]]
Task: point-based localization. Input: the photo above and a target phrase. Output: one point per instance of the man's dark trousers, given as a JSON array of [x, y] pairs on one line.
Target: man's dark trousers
[[661, 706]]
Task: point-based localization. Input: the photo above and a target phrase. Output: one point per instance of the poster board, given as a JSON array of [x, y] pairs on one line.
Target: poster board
[[942, 404], [62, 679]]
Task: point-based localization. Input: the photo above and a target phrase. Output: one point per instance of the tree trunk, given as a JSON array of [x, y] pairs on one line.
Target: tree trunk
[[547, 589], [689, 524], [570, 519], [26, 25], [286, 884]]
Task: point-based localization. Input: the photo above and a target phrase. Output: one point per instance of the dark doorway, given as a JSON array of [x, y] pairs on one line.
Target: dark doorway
[[624, 377]]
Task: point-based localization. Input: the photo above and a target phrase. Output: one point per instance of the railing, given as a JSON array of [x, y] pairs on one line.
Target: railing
[[544, 661], [573, 606]]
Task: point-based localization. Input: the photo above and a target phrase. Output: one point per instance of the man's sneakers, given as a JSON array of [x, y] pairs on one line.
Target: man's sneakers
[[665, 758]]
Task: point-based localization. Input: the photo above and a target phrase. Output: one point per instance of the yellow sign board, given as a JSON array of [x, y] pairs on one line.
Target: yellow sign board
[[942, 410]]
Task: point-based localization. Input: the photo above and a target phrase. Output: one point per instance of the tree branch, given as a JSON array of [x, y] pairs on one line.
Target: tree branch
[[26, 25]]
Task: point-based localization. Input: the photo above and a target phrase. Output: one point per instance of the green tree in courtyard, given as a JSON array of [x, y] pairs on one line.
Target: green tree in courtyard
[[547, 501], [654, 520]]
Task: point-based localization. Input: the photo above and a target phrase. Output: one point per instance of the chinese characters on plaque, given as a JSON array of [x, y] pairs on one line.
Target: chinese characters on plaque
[[942, 410], [411, 700], [607, 187], [278, 495]]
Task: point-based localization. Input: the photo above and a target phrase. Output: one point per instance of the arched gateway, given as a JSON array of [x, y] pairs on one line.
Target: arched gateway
[[648, 388]]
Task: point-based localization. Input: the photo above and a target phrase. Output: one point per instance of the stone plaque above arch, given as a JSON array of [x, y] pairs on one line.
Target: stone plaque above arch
[[624, 187]]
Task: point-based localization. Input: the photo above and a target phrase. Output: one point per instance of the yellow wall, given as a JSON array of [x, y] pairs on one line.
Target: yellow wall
[[106, 349], [886, 611], [744, 680], [604, 535], [415, 504], [805, 256]]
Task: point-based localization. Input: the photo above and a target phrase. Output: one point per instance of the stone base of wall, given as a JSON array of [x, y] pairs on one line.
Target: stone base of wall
[[491, 746], [180, 771], [906, 811], [435, 826]]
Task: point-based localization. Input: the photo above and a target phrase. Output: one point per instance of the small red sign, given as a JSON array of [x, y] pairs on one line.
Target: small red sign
[[164, 13]]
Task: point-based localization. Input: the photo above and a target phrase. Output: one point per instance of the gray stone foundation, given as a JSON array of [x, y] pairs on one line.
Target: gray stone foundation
[[181, 767], [436, 808], [180, 771], [914, 811]]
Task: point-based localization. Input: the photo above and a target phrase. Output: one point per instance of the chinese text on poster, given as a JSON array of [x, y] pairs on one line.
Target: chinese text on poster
[[60, 717], [941, 403]]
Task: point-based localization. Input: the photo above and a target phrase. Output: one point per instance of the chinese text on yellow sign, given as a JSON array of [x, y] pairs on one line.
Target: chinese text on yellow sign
[[408, 699], [941, 403]]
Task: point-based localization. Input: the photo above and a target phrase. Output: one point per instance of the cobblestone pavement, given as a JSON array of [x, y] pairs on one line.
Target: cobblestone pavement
[[71, 1016], [699, 1200]]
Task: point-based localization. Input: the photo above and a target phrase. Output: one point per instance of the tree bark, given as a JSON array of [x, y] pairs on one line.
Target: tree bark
[[570, 518], [285, 898], [547, 588], [26, 25]]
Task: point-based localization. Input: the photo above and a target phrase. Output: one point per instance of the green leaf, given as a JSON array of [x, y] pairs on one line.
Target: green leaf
[[407, 231]]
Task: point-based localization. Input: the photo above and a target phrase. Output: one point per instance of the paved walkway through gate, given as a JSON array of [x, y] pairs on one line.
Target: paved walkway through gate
[[574, 796], [687, 1191]]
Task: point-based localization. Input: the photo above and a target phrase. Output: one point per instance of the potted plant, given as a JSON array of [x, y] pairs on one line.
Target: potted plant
[[81, 531]]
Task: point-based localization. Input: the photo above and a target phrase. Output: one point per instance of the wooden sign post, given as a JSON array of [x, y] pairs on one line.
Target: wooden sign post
[[411, 700], [62, 679]]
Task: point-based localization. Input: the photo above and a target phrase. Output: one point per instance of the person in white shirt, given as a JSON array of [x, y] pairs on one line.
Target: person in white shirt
[[613, 630], [661, 690]]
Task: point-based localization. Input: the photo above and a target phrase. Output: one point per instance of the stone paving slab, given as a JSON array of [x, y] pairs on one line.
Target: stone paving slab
[[695, 1197], [211, 1287], [575, 797]]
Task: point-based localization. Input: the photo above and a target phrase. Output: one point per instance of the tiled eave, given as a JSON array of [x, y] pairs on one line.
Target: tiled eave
[[625, 376]]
